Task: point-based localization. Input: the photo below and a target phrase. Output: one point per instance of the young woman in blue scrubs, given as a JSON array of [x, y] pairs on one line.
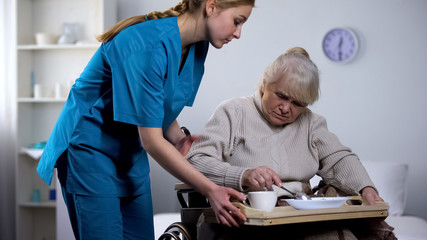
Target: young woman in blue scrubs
[[124, 105]]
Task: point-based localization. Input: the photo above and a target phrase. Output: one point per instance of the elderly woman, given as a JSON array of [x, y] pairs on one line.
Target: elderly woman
[[271, 138]]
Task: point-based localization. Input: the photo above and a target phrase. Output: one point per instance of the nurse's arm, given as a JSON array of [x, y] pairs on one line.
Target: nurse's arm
[[174, 134], [170, 159]]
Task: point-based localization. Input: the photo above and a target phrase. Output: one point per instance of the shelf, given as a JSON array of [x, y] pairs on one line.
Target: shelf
[[58, 46], [41, 100], [31, 152], [50, 204], [54, 69]]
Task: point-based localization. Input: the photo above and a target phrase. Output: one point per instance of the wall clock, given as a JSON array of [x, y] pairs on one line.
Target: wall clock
[[340, 45]]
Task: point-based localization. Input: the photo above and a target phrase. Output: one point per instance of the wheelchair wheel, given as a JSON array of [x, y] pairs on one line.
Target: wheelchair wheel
[[169, 236], [176, 231]]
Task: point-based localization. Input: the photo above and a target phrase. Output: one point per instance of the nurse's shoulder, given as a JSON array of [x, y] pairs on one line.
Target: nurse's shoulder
[[146, 36]]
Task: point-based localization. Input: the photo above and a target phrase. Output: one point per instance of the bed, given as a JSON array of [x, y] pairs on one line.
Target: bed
[[389, 178]]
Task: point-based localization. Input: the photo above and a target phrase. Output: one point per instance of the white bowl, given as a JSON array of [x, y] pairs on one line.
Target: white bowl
[[45, 38], [317, 202]]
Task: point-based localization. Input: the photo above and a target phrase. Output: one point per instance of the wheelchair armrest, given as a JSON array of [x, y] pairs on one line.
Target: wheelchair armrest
[[183, 186], [194, 198]]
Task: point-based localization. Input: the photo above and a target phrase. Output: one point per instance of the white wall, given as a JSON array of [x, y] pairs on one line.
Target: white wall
[[376, 104]]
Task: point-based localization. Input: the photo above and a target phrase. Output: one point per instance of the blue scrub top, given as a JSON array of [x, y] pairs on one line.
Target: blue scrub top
[[133, 80]]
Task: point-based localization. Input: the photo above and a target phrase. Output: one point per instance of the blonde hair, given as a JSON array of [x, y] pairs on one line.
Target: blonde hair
[[184, 6], [301, 74]]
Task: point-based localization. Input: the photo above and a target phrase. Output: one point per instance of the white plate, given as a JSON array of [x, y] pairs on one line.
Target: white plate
[[317, 202]]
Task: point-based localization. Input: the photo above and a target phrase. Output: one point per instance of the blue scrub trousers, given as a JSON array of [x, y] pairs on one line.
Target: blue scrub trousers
[[110, 218]]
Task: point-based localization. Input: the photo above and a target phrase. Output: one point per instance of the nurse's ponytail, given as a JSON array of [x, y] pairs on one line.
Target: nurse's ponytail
[[178, 10]]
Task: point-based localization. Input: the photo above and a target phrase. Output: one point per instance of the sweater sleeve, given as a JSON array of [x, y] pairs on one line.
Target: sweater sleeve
[[339, 166], [208, 154]]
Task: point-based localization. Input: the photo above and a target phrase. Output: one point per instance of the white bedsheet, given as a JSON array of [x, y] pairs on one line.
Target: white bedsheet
[[162, 221]]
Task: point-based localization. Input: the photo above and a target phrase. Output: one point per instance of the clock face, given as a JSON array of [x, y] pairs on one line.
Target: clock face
[[340, 45]]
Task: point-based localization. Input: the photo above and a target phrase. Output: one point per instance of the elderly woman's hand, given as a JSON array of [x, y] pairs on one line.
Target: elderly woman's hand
[[260, 177], [371, 196]]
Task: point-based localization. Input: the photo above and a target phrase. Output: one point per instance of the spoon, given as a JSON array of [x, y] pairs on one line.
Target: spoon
[[298, 195]]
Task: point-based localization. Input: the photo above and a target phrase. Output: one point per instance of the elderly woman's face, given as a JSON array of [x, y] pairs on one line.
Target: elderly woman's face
[[277, 106]]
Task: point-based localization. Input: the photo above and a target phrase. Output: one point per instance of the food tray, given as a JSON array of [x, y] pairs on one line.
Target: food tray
[[287, 214]]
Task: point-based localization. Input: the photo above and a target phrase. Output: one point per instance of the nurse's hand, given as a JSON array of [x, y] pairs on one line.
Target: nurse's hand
[[260, 177], [371, 196], [226, 213], [183, 146]]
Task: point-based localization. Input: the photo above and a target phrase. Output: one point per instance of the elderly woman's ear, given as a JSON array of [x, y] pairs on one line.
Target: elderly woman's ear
[[262, 88]]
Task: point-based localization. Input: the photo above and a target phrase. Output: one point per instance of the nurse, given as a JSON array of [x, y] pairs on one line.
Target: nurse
[[124, 105]]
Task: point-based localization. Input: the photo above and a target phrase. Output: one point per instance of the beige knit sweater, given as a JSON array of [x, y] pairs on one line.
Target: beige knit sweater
[[238, 137]]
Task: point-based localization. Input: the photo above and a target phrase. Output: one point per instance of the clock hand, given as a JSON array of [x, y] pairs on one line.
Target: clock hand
[[339, 49]]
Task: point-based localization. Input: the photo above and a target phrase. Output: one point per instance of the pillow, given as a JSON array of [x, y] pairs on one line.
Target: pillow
[[390, 180]]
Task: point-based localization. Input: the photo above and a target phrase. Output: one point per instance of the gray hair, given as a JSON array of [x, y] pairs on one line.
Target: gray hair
[[301, 74]]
